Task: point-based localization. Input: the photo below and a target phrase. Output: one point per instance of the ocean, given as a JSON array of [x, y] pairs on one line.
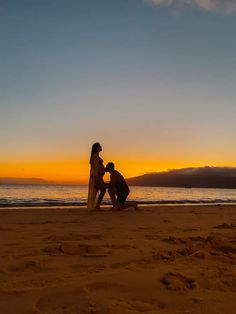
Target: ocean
[[64, 195]]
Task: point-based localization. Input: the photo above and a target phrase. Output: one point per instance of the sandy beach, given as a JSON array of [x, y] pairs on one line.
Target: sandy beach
[[160, 259]]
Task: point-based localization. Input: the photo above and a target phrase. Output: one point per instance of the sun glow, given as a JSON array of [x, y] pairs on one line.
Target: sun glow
[[77, 171]]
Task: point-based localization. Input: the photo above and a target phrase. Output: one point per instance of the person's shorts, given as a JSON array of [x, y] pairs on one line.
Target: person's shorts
[[122, 196]]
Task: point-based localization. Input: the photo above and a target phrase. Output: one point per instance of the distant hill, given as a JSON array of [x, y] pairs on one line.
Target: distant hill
[[203, 177], [23, 181]]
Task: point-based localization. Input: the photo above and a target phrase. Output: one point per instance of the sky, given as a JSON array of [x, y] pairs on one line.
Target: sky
[[152, 80]]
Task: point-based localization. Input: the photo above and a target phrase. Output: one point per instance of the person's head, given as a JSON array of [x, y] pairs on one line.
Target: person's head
[[96, 148], [110, 167]]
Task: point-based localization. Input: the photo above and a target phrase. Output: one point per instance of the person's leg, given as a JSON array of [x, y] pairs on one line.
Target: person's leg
[[95, 197], [100, 197], [102, 188], [112, 194], [121, 198]]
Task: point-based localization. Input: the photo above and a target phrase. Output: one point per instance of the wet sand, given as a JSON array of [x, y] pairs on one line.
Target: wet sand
[[160, 259]]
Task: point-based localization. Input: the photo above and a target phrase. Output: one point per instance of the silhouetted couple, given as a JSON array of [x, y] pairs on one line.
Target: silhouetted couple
[[117, 187]]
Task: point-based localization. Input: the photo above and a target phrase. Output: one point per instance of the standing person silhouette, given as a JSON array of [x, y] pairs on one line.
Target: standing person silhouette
[[96, 182]]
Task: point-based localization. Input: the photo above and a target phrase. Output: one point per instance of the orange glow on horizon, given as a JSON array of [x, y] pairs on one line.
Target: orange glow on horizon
[[77, 171]]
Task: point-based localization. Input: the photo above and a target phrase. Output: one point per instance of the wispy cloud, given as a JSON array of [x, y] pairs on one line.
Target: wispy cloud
[[217, 6]]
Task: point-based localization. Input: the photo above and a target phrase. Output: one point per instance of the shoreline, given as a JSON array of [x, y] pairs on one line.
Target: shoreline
[[140, 204]]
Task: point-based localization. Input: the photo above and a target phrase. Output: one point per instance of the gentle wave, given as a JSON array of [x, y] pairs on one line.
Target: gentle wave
[[31, 195], [61, 203]]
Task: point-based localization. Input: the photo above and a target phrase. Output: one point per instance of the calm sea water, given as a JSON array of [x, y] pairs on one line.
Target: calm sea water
[[47, 195]]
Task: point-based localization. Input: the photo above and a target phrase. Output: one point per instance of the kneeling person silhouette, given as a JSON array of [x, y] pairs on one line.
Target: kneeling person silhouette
[[117, 188]]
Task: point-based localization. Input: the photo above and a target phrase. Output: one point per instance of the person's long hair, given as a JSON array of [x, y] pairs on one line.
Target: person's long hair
[[94, 150]]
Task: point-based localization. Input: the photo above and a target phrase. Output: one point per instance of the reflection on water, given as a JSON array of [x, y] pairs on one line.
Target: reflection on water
[[77, 195]]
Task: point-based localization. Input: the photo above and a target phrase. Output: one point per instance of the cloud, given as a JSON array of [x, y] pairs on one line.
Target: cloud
[[213, 6]]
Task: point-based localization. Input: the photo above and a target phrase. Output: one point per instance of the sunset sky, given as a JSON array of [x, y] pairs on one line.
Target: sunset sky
[[154, 81]]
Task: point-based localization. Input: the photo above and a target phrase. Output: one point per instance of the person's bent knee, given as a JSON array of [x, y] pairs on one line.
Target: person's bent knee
[[111, 191], [103, 191]]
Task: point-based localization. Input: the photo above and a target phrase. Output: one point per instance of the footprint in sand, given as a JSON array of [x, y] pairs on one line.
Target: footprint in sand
[[174, 240], [152, 236], [225, 226], [74, 237], [124, 305], [177, 281], [58, 237], [94, 268], [200, 254], [134, 306], [105, 285], [118, 265], [83, 249], [219, 280], [52, 250], [166, 255], [190, 229], [29, 265], [120, 246], [213, 244]]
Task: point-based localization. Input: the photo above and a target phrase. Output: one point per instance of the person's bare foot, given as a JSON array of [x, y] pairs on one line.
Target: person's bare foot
[[136, 206], [114, 207], [120, 206], [97, 208]]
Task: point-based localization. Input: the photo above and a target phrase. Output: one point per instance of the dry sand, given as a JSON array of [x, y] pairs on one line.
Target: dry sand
[[163, 259]]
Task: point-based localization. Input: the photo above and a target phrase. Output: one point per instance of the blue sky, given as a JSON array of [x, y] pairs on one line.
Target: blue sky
[[149, 79]]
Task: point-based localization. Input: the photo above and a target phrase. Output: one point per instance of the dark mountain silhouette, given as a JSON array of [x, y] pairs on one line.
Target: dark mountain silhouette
[[23, 181], [203, 177]]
